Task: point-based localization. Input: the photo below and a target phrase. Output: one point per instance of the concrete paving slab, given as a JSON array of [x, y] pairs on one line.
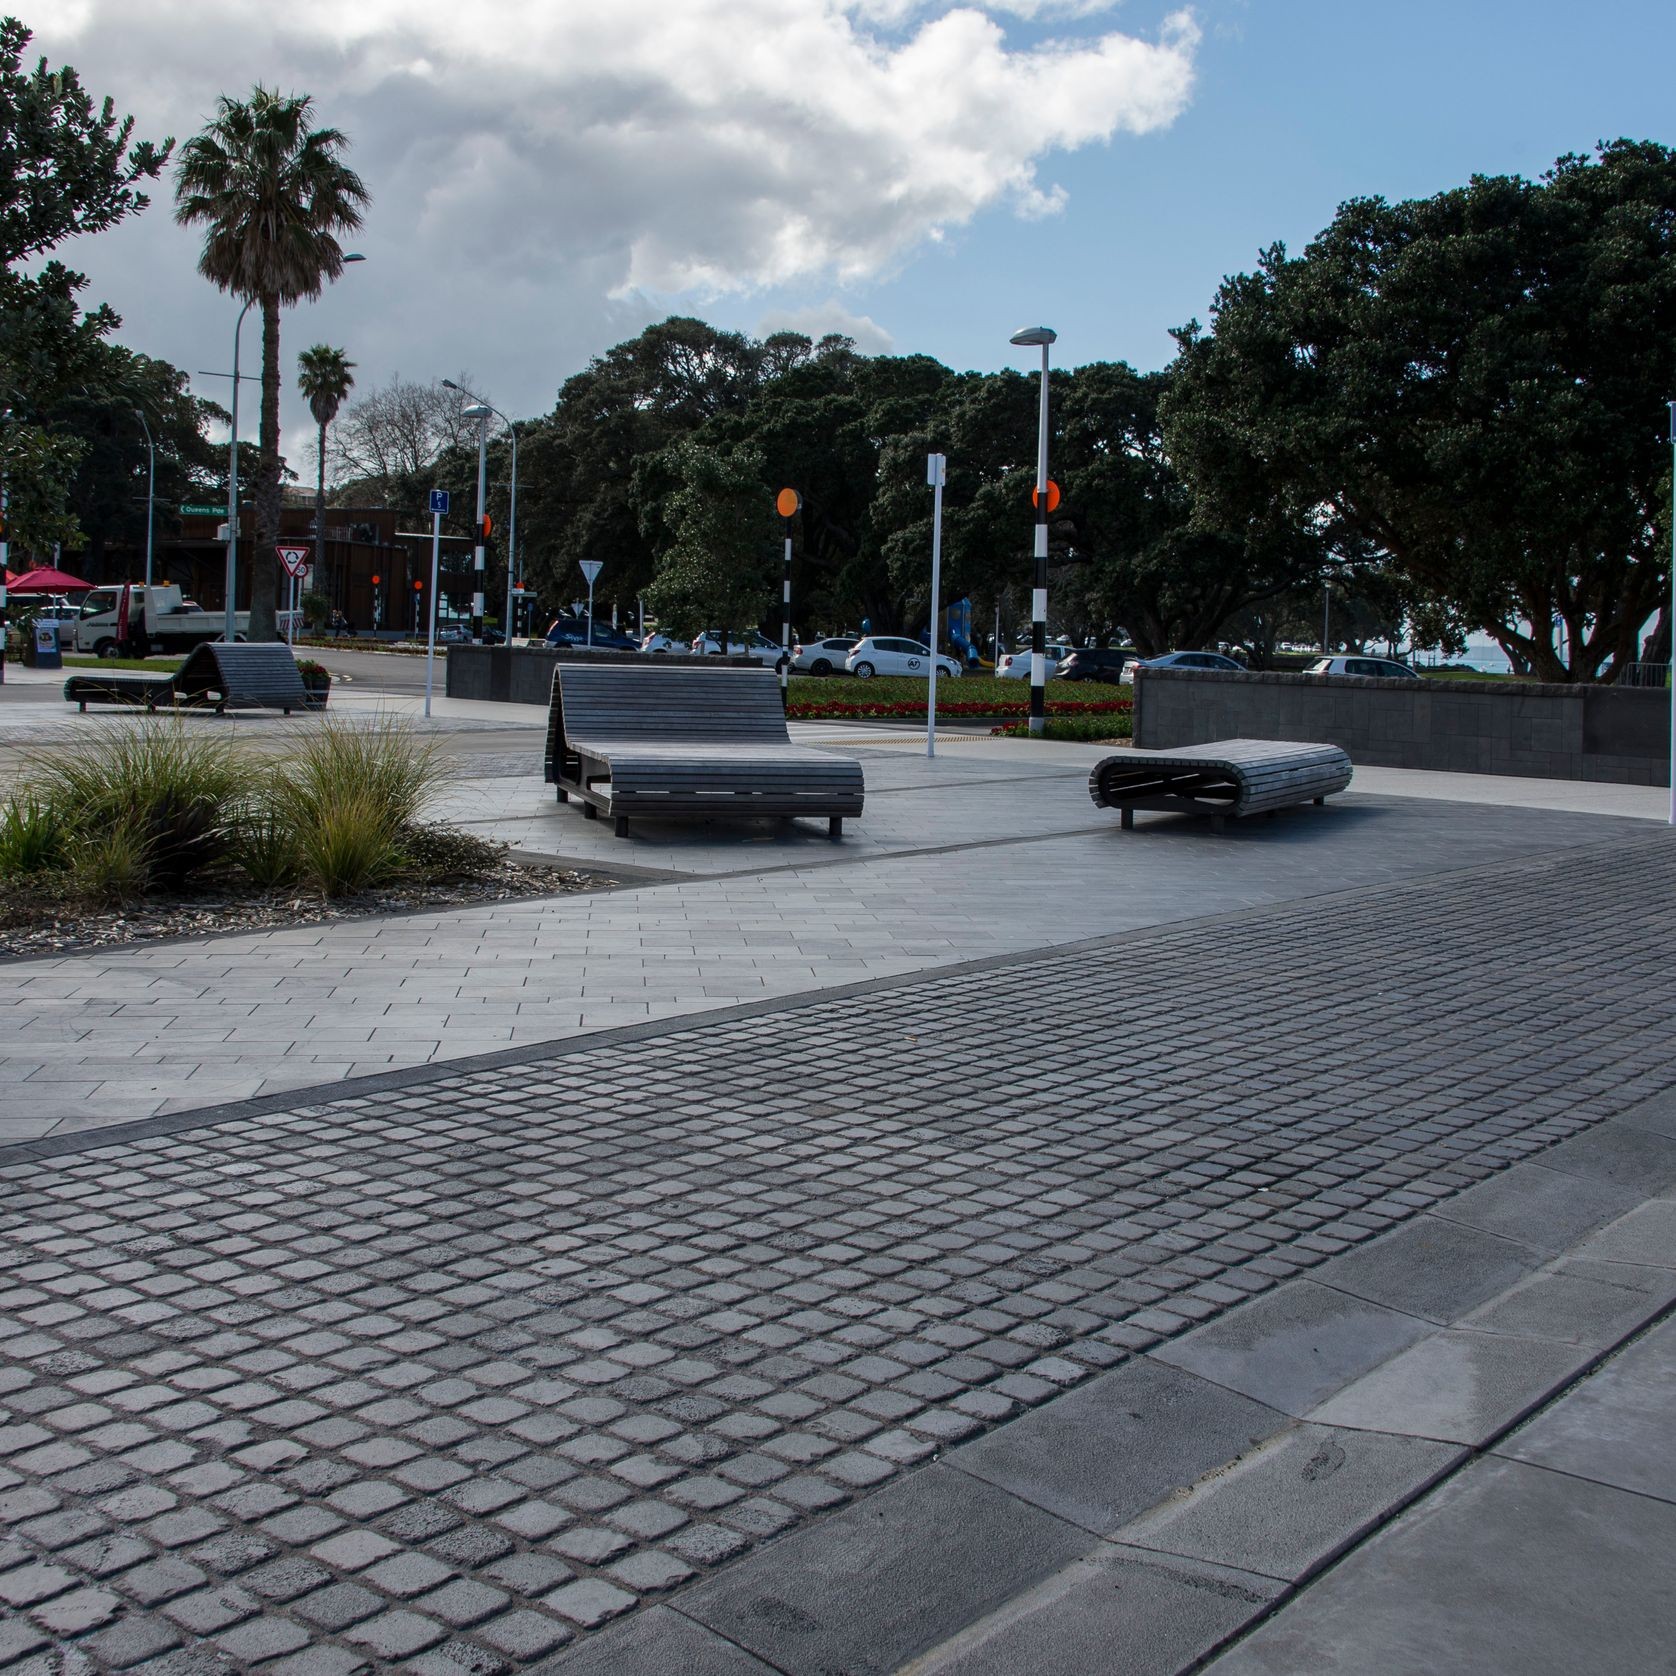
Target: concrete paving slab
[[1293, 1348], [928, 1555], [1635, 1158], [1431, 1268], [1592, 1304], [1120, 1610], [1547, 1208], [1295, 1503], [1507, 1570], [655, 1642], [1102, 1454], [1618, 1427], [1647, 1236], [1455, 1386], [1657, 1115]]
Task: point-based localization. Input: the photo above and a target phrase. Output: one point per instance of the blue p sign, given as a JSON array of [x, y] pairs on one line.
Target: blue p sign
[[439, 501]]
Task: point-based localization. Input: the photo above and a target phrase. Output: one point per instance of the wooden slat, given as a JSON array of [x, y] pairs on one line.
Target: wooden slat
[[1226, 777]]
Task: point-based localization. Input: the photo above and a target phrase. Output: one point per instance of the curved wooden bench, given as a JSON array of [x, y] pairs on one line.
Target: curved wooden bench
[[1228, 777], [216, 675], [665, 743]]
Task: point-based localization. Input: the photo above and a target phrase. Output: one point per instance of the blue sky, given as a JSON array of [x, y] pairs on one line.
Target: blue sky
[[1299, 105], [550, 175]]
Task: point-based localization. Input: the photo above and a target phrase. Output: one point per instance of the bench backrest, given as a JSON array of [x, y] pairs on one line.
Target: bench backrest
[[260, 676], [665, 705]]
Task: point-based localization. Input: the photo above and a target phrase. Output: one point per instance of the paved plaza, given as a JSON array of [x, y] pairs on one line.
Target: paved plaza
[[940, 1251]]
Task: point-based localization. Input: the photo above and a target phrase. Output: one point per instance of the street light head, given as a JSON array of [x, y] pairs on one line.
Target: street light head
[[1032, 337], [449, 384], [476, 411], [355, 256]]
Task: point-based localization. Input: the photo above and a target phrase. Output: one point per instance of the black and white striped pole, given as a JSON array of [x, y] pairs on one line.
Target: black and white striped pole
[[480, 411], [1030, 338], [786, 504]]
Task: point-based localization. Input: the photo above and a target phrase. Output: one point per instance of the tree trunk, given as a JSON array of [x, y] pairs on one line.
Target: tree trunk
[[264, 563], [320, 525]]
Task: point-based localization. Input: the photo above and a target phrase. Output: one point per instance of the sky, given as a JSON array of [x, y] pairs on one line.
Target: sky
[[548, 176]]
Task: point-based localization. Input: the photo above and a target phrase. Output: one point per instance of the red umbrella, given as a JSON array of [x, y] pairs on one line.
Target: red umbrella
[[46, 580]]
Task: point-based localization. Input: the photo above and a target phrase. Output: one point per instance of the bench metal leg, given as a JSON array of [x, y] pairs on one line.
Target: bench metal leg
[[564, 796], [1128, 819], [1320, 803], [589, 812], [835, 826], [621, 826]]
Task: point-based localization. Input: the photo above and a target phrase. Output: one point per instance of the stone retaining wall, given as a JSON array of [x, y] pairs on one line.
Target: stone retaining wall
[[1536, 729]]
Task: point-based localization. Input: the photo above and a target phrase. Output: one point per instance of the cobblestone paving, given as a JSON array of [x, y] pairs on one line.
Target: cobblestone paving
[[440, 1378]]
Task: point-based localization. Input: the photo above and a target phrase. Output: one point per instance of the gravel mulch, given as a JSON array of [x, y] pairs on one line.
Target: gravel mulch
[[33, 926]]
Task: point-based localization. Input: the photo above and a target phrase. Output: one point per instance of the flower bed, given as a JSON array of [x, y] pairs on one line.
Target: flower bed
[[842, 709]]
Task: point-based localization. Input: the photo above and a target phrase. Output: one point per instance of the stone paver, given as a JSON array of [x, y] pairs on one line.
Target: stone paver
[[564, 1331], [105, 1038]]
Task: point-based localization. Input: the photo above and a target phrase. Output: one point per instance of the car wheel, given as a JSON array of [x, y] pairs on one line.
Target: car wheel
[[952, 674], [821, 666], [104, 648], [864, 672]]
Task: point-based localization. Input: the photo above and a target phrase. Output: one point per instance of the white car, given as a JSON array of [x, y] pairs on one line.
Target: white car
[[656, 642], [1181, 660], [821, 657], [883, 654], [754, 645], [1015, 666], [1378, 669]]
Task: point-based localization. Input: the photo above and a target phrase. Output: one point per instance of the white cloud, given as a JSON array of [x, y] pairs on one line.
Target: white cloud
[[817, 320], [548, 172]]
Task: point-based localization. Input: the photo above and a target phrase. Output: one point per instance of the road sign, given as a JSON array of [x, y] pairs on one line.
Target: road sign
[[787, 502], [590, 569], [1053, 496], [295, 559], [439, 502]]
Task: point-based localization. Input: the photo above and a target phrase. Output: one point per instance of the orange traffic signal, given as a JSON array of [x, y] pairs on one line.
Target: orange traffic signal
[[375, 579]]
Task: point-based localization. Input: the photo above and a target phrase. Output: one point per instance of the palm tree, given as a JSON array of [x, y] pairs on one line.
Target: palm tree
[[272, 195], [325, 376]]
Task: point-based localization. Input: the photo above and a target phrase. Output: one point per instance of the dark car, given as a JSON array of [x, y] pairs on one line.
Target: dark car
[[1095, 663], [573, 631]]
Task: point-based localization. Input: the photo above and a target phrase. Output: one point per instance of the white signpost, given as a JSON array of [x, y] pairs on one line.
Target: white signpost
[[295, 561], [439, 507], [590, 569], [936, 471]]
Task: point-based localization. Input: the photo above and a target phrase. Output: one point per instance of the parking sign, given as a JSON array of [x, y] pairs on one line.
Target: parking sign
[[439, 502]]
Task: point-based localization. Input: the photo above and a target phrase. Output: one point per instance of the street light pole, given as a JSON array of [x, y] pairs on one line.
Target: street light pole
[[150, 497], [1671, 619], [512, 509], [1030, 337], [482, 416]]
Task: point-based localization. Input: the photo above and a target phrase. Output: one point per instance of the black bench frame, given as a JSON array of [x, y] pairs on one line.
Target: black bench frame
[[1227, 778], [682, 742], [215, 675]]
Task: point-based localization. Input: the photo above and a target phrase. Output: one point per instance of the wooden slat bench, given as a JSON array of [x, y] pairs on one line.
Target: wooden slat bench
[[218, 676], [648, 740], [1226, 777]]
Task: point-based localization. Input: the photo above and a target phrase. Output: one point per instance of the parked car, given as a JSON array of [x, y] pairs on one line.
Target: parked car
[[657, 641], [1015, 666], [573, 631], [883, 654], [1096, 663], [821, 657], [1378, 669], [754, 645], [1183, 660]]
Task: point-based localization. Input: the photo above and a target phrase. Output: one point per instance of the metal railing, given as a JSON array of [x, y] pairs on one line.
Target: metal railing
[[1642, 675]]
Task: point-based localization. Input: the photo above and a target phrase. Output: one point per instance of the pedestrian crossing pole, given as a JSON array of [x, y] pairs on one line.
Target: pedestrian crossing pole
[[1046, 498], [786, 504], [1671, 615], [936, 474]]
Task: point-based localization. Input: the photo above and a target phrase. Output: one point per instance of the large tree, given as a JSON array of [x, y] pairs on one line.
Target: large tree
[[272, 194], [68, 165], [1468, 389], [325, 376]]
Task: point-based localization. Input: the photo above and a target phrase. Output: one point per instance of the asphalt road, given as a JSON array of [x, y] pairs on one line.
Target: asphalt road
[[371, 672]]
